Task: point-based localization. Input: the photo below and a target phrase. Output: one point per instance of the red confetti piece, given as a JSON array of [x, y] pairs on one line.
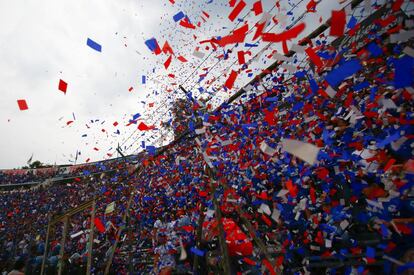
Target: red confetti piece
[[22, 104], [203, 194], [237, 36], [293, 189], [167, 49], [259, 30], [143, 127], [232, 3], [249, 261], [230, 81], [240, 56], [130, 89], [312, 194], [286, 35], [322, 173], [182, 59], [206, 14], [338, 21], [269, 267], [266, 220], [168, 62], [63, 86], [69, 122], [115, 124], [186, 24], [311, 6], [314, 57], [397, 5], [389, 164], [279, 260], [237, 10], [386, 21], [96, 149], [257, 7], [99, 225], [285, 47]]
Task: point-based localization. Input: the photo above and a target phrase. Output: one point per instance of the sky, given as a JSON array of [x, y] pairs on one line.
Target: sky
[[44, 41]]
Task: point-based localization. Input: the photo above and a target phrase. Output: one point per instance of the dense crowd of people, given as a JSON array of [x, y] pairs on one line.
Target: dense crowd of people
[[350, 212], [17, 176]]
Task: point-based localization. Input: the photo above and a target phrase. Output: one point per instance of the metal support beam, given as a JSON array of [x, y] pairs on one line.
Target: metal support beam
[[118, 235], [225, 261], [89, 264], [198, 237], [42, 270], [62, 245]]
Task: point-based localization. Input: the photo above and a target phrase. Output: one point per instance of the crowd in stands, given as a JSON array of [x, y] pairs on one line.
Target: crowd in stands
[[349, 213], [19, 176], [26, 175]]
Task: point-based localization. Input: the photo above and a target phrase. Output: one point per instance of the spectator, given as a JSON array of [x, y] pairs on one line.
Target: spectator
[[18, 267]]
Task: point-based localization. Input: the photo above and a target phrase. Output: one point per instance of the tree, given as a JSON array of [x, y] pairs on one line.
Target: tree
[[36, 164]]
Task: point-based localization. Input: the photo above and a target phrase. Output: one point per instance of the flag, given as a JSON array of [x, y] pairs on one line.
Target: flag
[[30, 159], [110, 208]]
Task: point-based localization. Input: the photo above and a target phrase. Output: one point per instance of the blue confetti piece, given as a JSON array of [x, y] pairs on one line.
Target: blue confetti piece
[[300, 74], [326, 55], [388, 140], [374, 49], [405, 267], [178, 16], [272, 99], [151, 150], [403, 76], [297, 106], [373, 93], [348, 68], [144, 79], [251, 45], [152, 44], [384, 230], [197, 251], [370, 252], [94, 45], [361, 86], [352, 23], [136, 116], [148, 198], [313, 85]]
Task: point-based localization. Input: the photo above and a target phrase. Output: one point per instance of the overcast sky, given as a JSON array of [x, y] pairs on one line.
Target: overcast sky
[[44, 41]]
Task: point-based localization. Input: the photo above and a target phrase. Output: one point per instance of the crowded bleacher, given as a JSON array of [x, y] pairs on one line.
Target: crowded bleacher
[[308, 171]]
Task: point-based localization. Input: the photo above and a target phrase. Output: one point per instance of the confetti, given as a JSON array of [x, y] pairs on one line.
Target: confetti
[[237, 10], [63, 86], [338, 21], [93, 45], [305, 151], [22, 104]]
